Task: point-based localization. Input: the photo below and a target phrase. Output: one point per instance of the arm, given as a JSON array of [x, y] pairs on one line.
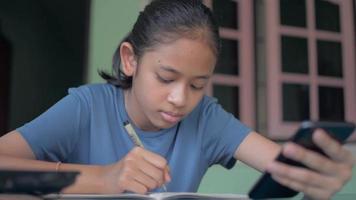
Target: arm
[[15, 153], [328, 175], [147, 168], [253, 147]]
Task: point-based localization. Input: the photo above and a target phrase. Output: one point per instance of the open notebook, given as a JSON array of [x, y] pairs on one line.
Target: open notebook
[[152, 196]]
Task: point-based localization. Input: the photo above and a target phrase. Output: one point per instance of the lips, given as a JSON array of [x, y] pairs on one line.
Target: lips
[[171, 117]]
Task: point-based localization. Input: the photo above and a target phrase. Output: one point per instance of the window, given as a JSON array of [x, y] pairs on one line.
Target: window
[[294, 54], [327, 15], [293, 13], [331, 103], [228, 97], [329, 58], [295, 102], [232, 83], [310, 63], [228, 62]]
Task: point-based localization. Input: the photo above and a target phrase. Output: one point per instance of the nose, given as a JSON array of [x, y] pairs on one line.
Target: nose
[[178, 95]]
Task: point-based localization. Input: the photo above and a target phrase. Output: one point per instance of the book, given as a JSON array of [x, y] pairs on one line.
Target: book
[[152, 196]]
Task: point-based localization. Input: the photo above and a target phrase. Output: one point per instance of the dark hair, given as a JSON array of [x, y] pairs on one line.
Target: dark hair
[[163, 21]]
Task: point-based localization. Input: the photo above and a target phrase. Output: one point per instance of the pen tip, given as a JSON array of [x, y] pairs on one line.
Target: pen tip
[[164, 188]]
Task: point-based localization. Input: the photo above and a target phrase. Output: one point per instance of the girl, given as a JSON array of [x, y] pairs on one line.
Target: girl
[[160, 72]]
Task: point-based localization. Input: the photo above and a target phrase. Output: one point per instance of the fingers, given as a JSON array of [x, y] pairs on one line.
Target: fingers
[[303, 176], [316, 193], [340, 156], [309, 182], [151, 157], [311, 159], [332, 148], [167, 175], [340, 167], [152, 164], [152, 172], [131, 184], [327, 175], [339, 170], [142, 171]]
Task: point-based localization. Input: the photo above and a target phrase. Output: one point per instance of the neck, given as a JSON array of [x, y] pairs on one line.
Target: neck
[[136, 116]]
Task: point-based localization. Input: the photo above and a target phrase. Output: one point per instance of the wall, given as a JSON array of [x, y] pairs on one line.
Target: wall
[[111, 20]]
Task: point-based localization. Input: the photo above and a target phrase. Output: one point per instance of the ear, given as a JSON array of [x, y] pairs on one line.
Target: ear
[[128, 59]]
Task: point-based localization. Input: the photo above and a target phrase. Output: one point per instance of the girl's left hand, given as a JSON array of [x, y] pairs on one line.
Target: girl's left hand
[[328, 175]]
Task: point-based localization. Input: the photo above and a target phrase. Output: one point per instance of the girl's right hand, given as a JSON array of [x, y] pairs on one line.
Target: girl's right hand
[[139, 171]]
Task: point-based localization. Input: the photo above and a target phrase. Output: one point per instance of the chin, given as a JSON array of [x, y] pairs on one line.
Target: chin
[[164, 125]]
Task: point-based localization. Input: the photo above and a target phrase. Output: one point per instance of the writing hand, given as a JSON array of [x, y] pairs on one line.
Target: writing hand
[[139, 171]]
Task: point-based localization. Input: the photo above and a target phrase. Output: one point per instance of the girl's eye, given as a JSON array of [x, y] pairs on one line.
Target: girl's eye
[[194, 87], [163, 80], [167, 81]]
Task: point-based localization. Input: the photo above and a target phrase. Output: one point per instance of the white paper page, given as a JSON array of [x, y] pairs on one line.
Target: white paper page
[[152, 196], [182, 195], [97, 196]]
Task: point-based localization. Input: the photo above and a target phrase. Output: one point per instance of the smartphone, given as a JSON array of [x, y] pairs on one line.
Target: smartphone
[[35, 182], [267, 187]]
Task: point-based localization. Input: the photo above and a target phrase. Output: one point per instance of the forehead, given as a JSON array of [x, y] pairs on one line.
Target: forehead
[[190, 56]]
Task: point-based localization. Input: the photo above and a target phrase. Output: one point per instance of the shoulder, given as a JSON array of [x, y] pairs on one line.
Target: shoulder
[[204, 105], [211, 115], [208, 105], [95, 92], [208, 110], [93, 89]]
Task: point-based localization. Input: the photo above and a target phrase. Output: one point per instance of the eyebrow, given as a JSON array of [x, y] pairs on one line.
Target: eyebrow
[[171, 69]]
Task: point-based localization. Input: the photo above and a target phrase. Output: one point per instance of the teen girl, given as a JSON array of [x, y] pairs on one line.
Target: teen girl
[[160, 72]]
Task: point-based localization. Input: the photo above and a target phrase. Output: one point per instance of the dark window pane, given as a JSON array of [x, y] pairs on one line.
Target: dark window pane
[[293, 12], [327, 16], [294, 55], [228, 60], [329, 58], [295, 102], [228, 97], [331, 104], [226, 13]]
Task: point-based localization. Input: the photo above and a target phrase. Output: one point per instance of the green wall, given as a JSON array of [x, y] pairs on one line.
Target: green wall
[[111, 20], [242, 177], [237, 180]]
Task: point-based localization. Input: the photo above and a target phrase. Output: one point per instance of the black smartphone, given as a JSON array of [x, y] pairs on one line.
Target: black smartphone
[[267, 187], [35, 182]]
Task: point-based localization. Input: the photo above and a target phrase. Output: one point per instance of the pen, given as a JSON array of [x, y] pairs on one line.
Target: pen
[[136, 140]]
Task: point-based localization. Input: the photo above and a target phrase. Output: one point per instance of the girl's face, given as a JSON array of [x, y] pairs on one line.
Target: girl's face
[[168, 83]]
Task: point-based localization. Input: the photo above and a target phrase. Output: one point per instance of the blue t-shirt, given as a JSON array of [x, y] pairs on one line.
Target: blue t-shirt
[[86, 127]]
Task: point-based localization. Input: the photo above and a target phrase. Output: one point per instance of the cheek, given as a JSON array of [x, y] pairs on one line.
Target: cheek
[[156, 96], [151, 92]]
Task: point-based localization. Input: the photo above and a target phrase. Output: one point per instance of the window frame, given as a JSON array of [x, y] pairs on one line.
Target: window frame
[[245, 80], [276, 127]]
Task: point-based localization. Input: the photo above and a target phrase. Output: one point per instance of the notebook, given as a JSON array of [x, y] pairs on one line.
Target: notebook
[[152, 196]]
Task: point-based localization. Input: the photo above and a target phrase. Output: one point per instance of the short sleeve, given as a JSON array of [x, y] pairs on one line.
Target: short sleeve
[[53, 135], [222, 133]]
